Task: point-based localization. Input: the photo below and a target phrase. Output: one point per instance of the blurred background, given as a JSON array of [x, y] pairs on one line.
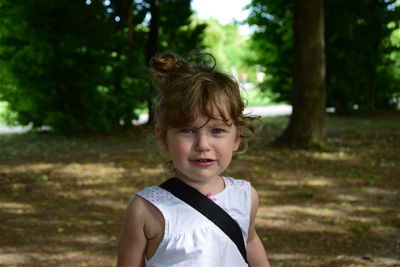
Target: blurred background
[[81, 67], [76, 138]]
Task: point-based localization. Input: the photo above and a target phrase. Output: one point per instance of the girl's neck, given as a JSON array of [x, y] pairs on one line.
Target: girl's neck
[[213, 186]]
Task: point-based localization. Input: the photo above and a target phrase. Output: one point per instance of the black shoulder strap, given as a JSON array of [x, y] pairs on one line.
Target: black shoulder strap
[[208, 208]]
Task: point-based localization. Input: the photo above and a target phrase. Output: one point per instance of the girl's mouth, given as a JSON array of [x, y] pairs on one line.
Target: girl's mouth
[[203, 162]]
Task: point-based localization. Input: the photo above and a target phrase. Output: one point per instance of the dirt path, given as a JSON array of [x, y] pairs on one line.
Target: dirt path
[[62, 199]]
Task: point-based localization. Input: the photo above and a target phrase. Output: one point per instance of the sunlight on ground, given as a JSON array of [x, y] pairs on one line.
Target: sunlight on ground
[[113, 204], [336, 208], [93, 172], [306, 180], [84, 239], [382, 193], [70, 258], [294, 218], [17, 208], [341, 155], [22, 168]]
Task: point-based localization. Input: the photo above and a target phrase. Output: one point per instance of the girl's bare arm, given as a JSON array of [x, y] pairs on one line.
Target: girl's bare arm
[[132, 240], [256, 255]]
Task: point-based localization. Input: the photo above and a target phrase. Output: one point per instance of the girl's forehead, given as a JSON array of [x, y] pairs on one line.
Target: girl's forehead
[[203, 120], [218, 111], [212, 113]]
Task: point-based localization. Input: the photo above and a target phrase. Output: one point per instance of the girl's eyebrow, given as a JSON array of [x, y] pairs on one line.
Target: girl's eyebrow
[[220, 123], [188, 126]]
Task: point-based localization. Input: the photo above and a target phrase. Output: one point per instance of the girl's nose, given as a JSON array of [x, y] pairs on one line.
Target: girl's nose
[[202, 143]]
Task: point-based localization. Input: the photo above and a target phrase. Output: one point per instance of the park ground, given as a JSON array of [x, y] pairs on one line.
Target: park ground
[[62, 198]]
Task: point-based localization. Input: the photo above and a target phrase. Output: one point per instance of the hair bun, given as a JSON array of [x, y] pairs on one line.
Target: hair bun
[[164, 65]]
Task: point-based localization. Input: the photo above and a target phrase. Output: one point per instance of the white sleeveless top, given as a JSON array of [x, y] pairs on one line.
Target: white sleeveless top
[[190, 239]]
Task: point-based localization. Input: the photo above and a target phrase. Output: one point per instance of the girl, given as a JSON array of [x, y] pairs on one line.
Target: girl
[[199, 123]]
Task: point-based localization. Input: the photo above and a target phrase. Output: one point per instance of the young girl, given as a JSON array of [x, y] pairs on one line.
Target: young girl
[[199, 123]]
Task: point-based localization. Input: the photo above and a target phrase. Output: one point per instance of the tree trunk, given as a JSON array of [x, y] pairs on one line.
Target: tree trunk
[[151, 50], [306, 128]]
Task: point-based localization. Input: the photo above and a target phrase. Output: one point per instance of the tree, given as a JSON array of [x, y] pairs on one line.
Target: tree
[[171, 29], [358, 45], [151, 50], [126, 81], [55, 53], [229, 47], [306, 126], [359, 53], [272, 42], [81, 66], [179, 32]]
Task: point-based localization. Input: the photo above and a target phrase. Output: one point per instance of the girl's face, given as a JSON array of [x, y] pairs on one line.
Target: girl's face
[[202, 150]]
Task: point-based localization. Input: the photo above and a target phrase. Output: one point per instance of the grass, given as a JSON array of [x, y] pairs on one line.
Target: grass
[[62, 198], [3, 109], [255, 97]]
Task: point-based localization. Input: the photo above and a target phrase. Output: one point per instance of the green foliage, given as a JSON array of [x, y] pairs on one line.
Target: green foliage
[[3, 110], [255, 98], [230, 48], [7, 116], [179, 33], [362, 59], [80, 66], [273, 43], [54, 56], [358, 44]]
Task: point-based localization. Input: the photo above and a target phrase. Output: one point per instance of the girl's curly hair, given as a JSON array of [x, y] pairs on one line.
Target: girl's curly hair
[[188, 88]]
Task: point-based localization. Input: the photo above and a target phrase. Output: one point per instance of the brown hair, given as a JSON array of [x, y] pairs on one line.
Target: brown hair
[[185, 89]]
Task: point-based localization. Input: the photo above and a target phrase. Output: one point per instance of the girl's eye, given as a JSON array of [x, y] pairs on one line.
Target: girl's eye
[[218, 131], [186, 131]]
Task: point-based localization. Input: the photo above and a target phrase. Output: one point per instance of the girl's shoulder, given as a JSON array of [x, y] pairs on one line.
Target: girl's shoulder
[[232, 182], [155, 194], [237, 191]]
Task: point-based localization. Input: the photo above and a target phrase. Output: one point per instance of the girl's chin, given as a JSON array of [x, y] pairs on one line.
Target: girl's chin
[[197, 178]]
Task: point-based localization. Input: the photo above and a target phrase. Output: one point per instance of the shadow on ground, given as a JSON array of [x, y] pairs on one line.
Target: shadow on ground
[[62, 198]]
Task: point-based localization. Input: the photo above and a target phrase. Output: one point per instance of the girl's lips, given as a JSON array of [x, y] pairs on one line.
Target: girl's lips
[[202, 162]]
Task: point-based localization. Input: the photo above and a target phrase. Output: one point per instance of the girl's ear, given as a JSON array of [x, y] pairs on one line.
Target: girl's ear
[[236, 144], [161, 140]]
